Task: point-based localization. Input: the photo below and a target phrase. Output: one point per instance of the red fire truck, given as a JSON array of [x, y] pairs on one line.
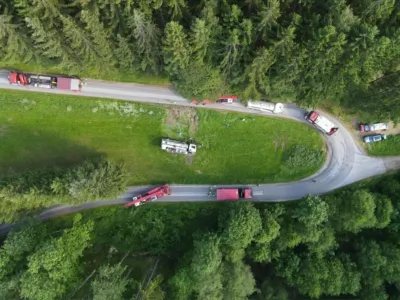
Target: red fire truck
[[149, 196], [321, 122], [45, 81]]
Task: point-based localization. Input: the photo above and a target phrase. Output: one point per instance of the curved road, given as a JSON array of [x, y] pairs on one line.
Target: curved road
[[346, 162]]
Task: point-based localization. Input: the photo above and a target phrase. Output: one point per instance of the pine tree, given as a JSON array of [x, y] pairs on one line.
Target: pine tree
[[100, 37], [47, 10], [236, 40], [145, 38], [50, 43], [268, 16], [176, 50], [200, 39], [123, 53], [256, 76], [176, 8], [15, 44], [318, 79]]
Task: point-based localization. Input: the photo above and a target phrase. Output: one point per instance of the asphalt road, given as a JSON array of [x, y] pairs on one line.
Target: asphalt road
[[346, 161]]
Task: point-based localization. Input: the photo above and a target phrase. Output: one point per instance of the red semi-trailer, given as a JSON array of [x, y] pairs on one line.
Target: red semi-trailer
[[45, 81], [149, 196], [234, 194]]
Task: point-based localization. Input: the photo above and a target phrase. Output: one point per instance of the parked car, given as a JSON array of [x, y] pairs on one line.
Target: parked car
[[373, 127], [374, 138]]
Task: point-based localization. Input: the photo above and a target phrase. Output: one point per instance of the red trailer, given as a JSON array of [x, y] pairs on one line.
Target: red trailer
[[234, 194], [149, 196]]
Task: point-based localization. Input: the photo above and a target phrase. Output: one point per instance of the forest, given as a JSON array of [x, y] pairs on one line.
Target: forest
[[305, 51], [29, 192], [343, 245]]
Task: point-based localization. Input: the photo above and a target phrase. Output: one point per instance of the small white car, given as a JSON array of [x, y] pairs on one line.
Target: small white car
[[373, 127]]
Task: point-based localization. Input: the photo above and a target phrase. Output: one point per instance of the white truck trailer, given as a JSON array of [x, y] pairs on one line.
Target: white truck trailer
[[276, 108], [178, 147]]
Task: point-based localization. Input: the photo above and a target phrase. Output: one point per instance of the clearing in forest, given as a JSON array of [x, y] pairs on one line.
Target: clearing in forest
[[44, 130]]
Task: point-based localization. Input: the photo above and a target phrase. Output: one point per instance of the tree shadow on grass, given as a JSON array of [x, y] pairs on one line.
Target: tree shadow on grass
[[24, 148]]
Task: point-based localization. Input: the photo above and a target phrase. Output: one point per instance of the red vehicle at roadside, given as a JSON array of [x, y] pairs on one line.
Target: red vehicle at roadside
[[227, 99], [149, 196], [321, 122]]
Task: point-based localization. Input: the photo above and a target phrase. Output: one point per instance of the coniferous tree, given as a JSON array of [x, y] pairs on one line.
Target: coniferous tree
[[176, 50]]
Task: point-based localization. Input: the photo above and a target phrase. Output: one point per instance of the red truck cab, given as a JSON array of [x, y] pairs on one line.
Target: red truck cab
[[13, 77]]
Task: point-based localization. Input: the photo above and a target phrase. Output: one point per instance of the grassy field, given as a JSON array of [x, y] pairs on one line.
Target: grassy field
[[106, 74], [388, 147], [42, 130]]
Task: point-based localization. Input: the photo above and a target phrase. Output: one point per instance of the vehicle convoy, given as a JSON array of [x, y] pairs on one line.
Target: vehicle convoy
[[373, 127], [149, 196], [174, 146], [374, 138], [276, 108], [222, 99], [321, 122], [45, 81], [234, 194]]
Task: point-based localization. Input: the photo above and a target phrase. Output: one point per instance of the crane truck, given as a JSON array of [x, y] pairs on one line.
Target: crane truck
[[321, 122], [276, 108], [149, 196], [45, 81], [233, 194], [178, 147]]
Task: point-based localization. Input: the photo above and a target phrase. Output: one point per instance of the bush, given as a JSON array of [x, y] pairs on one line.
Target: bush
[[92, 180], [300, 157], [388, 147]]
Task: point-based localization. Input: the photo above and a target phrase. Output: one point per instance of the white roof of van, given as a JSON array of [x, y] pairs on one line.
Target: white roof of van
[[324, 123], [75, 84]]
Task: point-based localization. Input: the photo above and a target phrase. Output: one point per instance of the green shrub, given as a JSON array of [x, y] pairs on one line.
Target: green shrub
[[388, 147], [300, 157]]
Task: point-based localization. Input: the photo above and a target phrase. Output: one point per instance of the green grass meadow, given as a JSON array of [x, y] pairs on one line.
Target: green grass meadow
[[388, 147], [43, 130]]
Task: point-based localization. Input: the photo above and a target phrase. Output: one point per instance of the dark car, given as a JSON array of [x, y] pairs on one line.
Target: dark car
[[374, 138]]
